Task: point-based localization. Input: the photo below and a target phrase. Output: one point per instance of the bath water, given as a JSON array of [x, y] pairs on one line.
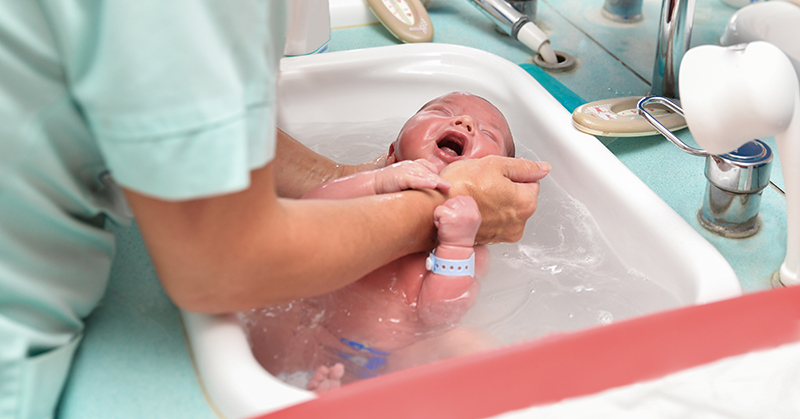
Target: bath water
[[561, 276]]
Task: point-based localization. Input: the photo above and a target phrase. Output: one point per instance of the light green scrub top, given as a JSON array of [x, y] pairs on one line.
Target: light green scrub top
[[174, 98]]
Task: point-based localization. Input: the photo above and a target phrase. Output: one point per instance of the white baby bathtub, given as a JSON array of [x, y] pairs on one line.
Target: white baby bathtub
[[365, 86]]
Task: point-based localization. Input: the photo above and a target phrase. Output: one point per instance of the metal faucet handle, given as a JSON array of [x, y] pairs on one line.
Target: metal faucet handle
[[743, 170], [661, 128], [733, 196], [735, 180]]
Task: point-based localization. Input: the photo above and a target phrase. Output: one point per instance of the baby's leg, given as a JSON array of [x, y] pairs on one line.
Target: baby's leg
[[326, 378]]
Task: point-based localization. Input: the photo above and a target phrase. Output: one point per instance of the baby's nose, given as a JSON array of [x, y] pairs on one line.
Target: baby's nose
[[466, 122]]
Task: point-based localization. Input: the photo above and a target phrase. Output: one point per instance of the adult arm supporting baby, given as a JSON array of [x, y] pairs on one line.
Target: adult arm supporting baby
[[400, 176], [297, 169], [251, 248]]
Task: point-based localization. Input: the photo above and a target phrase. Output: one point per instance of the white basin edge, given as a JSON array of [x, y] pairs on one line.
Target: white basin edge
[[234, 382]]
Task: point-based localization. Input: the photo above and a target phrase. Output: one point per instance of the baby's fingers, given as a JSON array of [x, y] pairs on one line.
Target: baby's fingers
[[422, 174], [462, 203], [428, 165], [430, 173]]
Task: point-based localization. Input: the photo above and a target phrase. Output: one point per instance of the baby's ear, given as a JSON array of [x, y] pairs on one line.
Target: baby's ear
[[391, 158]]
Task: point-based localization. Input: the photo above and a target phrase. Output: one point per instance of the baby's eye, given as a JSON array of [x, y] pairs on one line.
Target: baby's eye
[[494, 136], [441, 111]]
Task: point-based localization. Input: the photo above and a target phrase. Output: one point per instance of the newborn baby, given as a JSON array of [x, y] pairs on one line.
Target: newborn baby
[[404, 313]]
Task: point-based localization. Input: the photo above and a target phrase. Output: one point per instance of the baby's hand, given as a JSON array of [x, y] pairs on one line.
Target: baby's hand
[[417, 174], [457, 221]]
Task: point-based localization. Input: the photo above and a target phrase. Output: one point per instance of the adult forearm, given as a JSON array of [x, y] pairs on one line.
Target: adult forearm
[[245, 250], [298, 169], [344, 240], [314, 248]]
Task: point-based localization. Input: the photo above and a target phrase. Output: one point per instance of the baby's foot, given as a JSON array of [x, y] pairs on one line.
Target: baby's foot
[[457, 221], [326, 378]]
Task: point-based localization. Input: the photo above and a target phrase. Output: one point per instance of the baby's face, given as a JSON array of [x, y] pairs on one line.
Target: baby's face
[[453, 127]]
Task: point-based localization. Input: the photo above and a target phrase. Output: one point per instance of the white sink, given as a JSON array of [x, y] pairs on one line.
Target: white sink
[[643, 253]]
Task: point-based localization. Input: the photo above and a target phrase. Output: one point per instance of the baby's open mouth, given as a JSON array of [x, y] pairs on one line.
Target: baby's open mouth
[[451, 145]]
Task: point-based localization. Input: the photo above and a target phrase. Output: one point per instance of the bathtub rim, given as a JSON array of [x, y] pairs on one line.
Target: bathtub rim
[[218, 384]]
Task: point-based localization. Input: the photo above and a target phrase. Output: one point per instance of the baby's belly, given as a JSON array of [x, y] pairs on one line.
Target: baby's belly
[[384, 324], [381, 309]]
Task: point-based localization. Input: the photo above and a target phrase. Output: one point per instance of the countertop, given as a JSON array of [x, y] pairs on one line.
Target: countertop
[[134, 361]]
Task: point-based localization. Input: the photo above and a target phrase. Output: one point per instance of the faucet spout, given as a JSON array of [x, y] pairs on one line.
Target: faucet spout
[[674, 37]]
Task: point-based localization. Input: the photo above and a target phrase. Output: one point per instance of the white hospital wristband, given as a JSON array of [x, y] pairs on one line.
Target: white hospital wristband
[[448, 267]]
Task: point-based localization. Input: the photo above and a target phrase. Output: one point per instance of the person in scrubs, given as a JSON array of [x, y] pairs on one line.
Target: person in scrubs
[[175, 103]]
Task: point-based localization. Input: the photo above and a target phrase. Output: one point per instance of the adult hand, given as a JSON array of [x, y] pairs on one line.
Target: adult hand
[[506, 190]]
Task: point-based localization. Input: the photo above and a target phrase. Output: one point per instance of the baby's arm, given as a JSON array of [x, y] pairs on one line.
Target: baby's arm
[[417, 174], [446, 298]]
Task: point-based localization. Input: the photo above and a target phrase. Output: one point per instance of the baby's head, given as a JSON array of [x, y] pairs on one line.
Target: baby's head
[[452, 127]]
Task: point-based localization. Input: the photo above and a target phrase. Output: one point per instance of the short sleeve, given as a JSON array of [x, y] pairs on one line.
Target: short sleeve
[[180, 95]]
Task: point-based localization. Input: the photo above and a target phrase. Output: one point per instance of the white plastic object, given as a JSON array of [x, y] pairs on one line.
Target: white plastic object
[[534, 38], [406, 20], [731, 95], [325, 90], [618, 117], [517, 25], [220, 347], [309, 28], [776, 22]]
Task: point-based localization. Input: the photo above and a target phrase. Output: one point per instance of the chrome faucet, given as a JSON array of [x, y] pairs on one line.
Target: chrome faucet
[[746, 91], [735, 179], [674, 37]]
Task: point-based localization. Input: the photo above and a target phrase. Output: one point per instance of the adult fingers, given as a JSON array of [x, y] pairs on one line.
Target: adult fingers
[[525, 171]]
